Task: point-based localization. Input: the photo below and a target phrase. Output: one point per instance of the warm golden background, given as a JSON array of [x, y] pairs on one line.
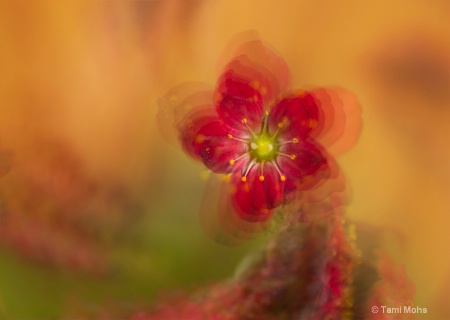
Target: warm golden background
[[97, 208]]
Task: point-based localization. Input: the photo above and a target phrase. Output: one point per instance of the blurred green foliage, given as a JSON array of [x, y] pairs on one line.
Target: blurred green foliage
[[165, 251]]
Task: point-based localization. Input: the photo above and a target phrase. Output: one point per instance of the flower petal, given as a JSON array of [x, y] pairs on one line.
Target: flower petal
[[218, 151], [339, 119], [294, 116], [302, 160], [190, 126], [238, 103], [219, 218], [259, 62], [255, 198]]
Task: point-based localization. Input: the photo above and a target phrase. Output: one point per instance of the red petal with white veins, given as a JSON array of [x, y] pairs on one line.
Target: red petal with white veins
[[218, 150]]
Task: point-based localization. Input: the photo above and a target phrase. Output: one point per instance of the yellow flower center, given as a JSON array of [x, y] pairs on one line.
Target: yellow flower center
[[263, 148]]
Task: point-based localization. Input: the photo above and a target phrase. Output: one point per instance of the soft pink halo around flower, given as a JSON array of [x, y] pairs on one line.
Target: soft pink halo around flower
[[175, 106], [250, 50], [341, 114]]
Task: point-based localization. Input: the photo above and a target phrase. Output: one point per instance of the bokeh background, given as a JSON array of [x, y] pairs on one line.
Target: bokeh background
[[99, 214]]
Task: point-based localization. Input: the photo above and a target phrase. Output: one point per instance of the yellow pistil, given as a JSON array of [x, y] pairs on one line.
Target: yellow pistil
[[263, 148]]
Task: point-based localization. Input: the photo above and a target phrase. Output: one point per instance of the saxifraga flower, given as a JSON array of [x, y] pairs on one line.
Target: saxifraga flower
[[267, 140], [267, 150]]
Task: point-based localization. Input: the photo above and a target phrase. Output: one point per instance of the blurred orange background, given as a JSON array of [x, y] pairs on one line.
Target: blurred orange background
[[78, 88]]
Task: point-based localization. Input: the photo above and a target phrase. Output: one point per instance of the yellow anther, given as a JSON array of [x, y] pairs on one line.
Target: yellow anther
[[261, 178], [230, 136], [283, 178], [292, 156], [280, 124], [255, 84], [244, 120], [263, 91], [312, 123], [295, 140], [199, 138], [244, 179], [267, 112], [232, 161]]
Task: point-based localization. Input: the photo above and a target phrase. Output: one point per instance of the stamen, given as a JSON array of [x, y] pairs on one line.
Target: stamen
[[238, 139], [244, 121], [279, 126], [261, 175], [250, 166], [233, 161], [295, 140], [282, 177], [292, 156], [264, 126]]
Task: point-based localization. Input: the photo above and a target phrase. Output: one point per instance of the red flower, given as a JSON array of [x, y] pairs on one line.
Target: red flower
[[267, 150], [263, 137]]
